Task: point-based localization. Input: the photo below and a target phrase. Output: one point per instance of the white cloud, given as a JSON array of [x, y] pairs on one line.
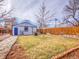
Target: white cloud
[[28, 8]]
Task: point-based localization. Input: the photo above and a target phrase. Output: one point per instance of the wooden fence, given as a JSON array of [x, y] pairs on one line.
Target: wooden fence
[[62, 30]]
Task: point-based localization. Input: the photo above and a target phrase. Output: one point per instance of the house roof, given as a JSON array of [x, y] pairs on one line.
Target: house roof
[[26, 22], [7, 19], [1, 19]]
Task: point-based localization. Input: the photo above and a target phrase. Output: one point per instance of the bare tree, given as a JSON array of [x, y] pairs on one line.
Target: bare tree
[[43, 16], [72, 11], [2, 11], [55, 22], [1, 0], [6, 13]]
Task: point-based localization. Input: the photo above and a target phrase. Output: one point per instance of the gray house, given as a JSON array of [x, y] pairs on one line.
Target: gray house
[[24, 28]]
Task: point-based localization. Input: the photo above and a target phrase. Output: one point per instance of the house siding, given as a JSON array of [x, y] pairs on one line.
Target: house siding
[[29, 32], [21, 30]]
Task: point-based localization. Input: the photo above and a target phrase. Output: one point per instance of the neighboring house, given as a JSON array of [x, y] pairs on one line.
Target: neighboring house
[[24, 28], [2, 31], [6, 25], [2, 22], [9, 22]]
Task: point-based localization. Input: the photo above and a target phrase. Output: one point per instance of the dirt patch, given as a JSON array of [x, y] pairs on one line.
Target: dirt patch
[[17, 52], [70, 54]]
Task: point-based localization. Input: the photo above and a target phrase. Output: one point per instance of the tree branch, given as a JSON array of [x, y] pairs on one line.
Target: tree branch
[[1, 0]]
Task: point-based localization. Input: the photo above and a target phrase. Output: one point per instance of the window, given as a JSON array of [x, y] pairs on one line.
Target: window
[[26, 28]]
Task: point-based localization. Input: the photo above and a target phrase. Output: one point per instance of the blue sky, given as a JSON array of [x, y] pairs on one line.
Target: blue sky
[[27, 9]]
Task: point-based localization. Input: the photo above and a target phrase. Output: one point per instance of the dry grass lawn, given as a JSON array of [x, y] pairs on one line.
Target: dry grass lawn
[[45, 46]]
